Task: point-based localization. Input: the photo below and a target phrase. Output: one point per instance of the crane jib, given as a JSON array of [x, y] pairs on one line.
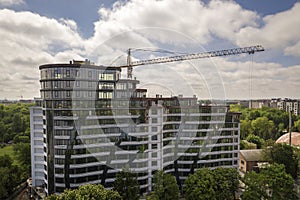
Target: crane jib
[[226, 52], [249, 50]]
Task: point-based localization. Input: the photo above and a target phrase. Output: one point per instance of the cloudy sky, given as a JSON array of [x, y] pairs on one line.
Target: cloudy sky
[[36, 32]]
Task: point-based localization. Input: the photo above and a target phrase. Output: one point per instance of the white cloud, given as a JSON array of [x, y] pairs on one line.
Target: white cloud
[[192, 18], [27, 41], [278, 31], [293, 50], [11, 2], [268, 80]]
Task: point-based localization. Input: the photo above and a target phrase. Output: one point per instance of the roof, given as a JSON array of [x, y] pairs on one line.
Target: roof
[[252, 154], [285, 138]]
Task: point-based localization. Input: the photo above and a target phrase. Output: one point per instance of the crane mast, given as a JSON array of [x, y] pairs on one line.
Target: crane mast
[[226, 52]]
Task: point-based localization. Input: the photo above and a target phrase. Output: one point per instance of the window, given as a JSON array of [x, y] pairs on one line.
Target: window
[[106, 86], [154, 120], [77, 83], [104, 76], [121, 86], [105, 95], [154, 129], [57, 73], [90, 74], [67, 73], [89, 84], [67, 83], [68, 94], [56, 84], [55, 93]]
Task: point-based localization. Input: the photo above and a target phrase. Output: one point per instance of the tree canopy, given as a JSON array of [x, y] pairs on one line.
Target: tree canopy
[[10, 176], [267, 123], [126, 185], [271, 183], [14, 121], [217, 184], [283, 154], [87, 192], [165, 187]]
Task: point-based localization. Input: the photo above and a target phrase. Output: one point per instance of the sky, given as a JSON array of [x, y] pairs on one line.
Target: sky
[[36, 32]]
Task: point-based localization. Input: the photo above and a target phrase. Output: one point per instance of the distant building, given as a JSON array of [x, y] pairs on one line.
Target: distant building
[[249, 159], [286, 104], [289, 105]]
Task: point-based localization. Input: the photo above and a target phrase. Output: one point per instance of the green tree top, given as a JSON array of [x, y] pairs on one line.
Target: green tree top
[[272, 183], [127, 185], [87, 192], [165, 186], [283, 154], [217, 184]]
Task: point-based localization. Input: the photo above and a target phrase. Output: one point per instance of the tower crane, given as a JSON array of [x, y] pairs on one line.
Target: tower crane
[[226, 52]]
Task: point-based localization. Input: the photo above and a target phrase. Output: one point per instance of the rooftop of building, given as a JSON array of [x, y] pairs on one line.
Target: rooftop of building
[[78, 64], [286, 138], [252, 155]]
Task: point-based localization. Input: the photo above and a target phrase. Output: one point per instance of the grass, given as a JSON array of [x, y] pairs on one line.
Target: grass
[[9, 150]]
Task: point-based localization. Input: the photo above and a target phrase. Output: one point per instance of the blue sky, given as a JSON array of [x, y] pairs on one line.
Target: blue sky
[[36, 32]]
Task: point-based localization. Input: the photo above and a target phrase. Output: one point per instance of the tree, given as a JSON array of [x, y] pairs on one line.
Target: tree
[[23, 153], [283, 154], [226, 183], [218, 184], [271, 183], [126, 185], [246, 128], [263, 127], [10, 176], [297, 125], [199, 185], [165, 186], [256, 140], [86, 192]]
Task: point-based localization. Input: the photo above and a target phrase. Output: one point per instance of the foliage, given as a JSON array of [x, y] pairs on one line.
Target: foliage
[[271, 183], [23, 155], [297, 125], [86, 192], [199, 185], [263, 127], [256, 140], [165, 186], [283, 154], [14, 120], [226, 182], [126, 185], [221, 183], [267, 123], [10, 176], [246, 128], [244, 144]]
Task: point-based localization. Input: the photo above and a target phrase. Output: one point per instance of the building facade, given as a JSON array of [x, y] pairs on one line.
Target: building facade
[[37, 146], [96, 124]]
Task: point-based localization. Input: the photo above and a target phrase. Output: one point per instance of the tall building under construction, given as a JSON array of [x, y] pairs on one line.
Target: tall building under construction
[[91, 124]]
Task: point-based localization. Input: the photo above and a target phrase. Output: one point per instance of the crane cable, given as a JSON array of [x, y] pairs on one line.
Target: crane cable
[[250, 81]]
